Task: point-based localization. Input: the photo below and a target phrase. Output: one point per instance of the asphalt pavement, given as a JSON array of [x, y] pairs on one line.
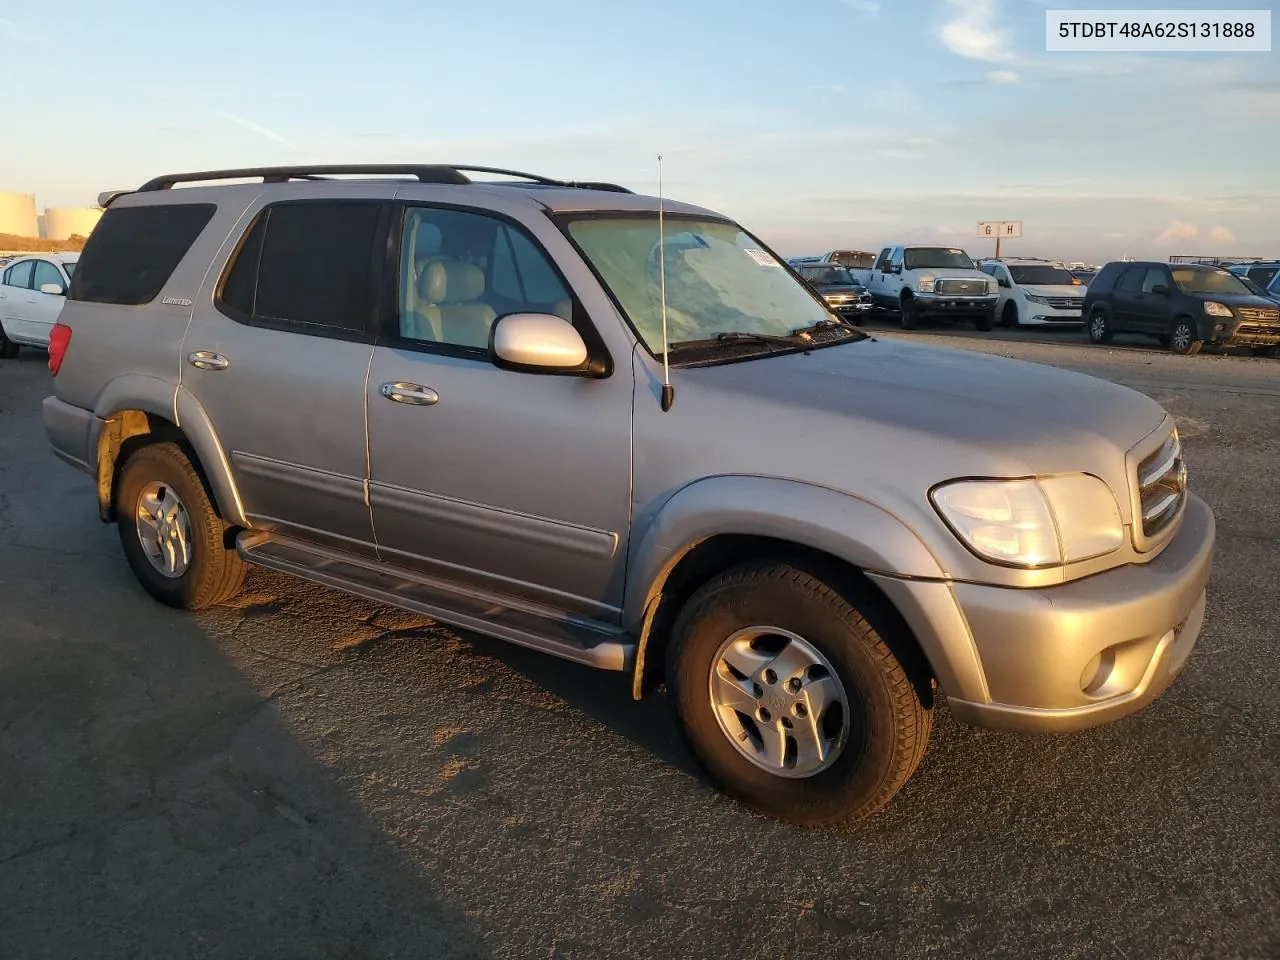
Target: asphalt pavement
[[299, 774]]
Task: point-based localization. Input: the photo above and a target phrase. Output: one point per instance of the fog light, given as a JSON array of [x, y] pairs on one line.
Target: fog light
[[1097, 671]]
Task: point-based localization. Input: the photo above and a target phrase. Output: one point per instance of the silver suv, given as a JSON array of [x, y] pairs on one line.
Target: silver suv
[[626, 435]]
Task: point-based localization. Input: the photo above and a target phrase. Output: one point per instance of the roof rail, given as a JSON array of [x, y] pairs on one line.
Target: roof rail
[[424, 173]]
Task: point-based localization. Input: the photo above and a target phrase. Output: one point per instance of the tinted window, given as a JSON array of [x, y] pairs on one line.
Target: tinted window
[[19, 275], [460, 271], [1263, 275], [46, 272], [133, 251], [306, 265], [1131, 282]]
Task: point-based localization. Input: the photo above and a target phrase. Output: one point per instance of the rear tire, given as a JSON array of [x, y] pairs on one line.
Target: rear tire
[[1099, 327], [879, 733], [8, 349], [1183, 339], [173, 538]]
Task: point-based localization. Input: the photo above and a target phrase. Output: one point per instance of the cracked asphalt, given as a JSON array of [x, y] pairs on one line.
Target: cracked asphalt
[[299, 774]]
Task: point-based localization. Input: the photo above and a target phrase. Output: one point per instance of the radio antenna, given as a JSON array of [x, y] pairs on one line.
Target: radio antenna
[[668, 391]]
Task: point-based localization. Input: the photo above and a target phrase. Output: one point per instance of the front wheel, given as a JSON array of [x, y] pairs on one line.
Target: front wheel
[[1009, 318], [1183, 339], [983, 322], [1100, 327], [910, 315], [172, 537], [791, 699]]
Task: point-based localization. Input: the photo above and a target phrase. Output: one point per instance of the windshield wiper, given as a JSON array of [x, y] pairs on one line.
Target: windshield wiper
[[828, 323], [738, 336]]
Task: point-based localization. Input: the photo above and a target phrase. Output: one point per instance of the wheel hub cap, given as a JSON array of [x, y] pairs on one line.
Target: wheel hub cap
[[164, 529], [779, 701]]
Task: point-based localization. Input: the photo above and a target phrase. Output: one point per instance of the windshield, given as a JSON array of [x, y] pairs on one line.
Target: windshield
[[1209, 281], [853, 258], [934, 258], [1042, 275], [718, 279], [830, 274]]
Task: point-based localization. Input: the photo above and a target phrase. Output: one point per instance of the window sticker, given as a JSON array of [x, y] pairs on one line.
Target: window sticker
[[760, 257]]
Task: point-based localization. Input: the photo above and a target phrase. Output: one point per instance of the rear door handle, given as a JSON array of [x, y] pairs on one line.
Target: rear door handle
[[412, 393], [207, 360]]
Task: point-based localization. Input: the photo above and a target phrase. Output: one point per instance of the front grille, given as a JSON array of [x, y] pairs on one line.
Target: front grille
[[1065, 303], [1162, 487], [961, 288], [1262, 315]]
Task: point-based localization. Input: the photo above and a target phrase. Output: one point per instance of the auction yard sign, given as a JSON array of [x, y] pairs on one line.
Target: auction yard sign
[[1000, 229]]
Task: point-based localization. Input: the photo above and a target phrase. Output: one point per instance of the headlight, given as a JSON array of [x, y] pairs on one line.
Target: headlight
[[926, 283], [1217, 309], [1033, 523], [1032, 298]]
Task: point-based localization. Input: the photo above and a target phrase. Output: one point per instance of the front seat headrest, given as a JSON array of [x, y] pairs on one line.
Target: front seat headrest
[[450, 281]]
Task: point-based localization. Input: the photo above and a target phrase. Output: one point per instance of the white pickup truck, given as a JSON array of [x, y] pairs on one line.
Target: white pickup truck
[[923, 283]]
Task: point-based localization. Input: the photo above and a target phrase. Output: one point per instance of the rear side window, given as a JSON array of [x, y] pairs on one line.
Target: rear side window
[[306, 266], [19, 275], [133, 251]]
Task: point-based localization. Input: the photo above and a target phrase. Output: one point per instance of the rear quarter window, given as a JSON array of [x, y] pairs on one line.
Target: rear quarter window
[[133, 251]]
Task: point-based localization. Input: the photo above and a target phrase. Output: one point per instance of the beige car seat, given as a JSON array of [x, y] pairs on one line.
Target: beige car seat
[[449, 308]]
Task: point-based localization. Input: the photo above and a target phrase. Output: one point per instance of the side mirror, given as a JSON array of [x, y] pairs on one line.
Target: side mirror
[[1160, 290], [537, 343], [55, 289], [1001, 281]]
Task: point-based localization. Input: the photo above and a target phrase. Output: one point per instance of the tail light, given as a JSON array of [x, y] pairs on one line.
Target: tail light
[[59, 340]]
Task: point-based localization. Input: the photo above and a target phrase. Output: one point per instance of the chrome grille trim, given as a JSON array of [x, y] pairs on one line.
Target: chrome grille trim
[[962, 287], [1162, 487]]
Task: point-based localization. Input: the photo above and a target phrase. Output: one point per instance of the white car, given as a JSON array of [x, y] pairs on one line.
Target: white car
[[1036, 293], [32, 292]]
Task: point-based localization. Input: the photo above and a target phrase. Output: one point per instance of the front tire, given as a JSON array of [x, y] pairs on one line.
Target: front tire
[[173, 538], [1009, 318], [983, 322], [791, 699], [909, 313], [1183, 339], [1100, 331]]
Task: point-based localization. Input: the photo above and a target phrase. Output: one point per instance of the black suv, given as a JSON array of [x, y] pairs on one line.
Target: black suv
[[837, 287], [1184, 306]]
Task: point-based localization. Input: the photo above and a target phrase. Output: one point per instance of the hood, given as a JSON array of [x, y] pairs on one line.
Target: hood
[[1054, 289], [894, 418]]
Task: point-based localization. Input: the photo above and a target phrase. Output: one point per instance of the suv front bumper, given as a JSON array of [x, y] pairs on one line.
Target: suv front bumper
[[1068, 657], [930, 304]]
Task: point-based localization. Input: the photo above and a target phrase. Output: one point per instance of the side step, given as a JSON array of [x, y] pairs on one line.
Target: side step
[[523, 622]]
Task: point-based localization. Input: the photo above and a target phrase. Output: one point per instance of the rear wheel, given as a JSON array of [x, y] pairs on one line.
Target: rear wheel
[[172, 537], [791, 699], [8, 349], [1100, 327], [1183, 338]]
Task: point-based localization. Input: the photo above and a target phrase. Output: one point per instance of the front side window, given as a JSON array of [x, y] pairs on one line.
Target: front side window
[[1131, 282], [718, 279], [1155, 278], [1262, 276], [461, 271], [133, 251], [307, 266], [937, 258], [1209, 281], [46, 272], [19, 275]]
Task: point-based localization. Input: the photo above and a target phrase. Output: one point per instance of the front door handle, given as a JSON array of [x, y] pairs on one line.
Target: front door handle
[[206, 360], [413, 393]]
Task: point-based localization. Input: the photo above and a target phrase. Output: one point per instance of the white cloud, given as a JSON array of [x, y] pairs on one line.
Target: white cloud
[[255, 127], [1177, 230], [1222, 235], [1004, 76], [945, 231], [972, 32]]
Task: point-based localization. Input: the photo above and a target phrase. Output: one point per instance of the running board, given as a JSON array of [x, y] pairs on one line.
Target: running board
[[528, 624]]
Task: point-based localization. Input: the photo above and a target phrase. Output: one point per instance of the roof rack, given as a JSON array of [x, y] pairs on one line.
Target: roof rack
[[424, 173]]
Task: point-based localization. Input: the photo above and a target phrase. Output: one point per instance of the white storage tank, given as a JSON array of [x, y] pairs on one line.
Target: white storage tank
[[62, 223], [18, 215]]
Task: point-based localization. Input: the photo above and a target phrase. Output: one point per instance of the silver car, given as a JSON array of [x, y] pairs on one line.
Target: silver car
[[624, 433]]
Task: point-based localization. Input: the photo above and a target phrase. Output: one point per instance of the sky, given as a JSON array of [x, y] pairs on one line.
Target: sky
[[819, 124]]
